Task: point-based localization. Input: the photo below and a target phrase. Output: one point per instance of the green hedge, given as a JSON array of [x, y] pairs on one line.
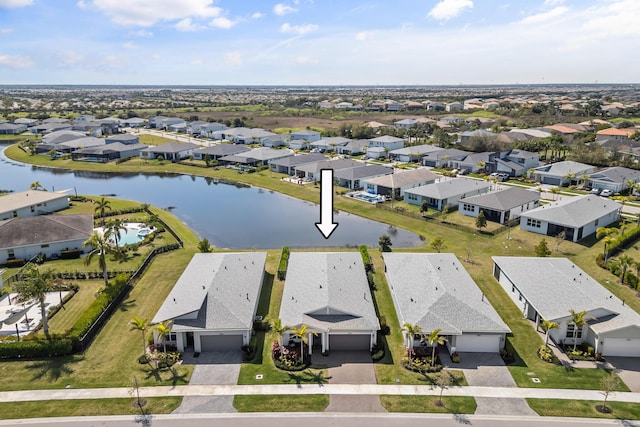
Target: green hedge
[[284, 262], [91, 314], [70, 254], [366, 259], [623, 241], [36, 348]]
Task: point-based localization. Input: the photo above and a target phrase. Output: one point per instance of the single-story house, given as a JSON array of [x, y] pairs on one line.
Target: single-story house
[[26, 121], [577, 216], [46, 128], [169, 151], [474, 162], [288, 164], [330, 143], [311, 171], [156, 121], [387, 141], [413, 153], [124, 138], [406, 123], [24, 238], [61, 136], [329, 292], [445, 193], [133, 122], [562, 173], [442, 158], [32, 203], [213, 304], [217, 151], [244, 135], [377, 152], [547, 288], [616, 179], [89, 128], [168, 122], [208, 129], [76, 144], [434, 291], [180, 127], [614, 133], [306, 135], [454, 106], [108, 152], [353, 147], [12, 129], [195, 127], [500, 206], [395, 184], [275, 140], [256, 156], [353, 178]]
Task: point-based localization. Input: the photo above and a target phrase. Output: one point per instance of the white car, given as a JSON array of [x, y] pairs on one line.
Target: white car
[[606, 193]]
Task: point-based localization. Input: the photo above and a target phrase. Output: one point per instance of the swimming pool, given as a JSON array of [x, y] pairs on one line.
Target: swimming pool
[[132, 234], [366, 197]]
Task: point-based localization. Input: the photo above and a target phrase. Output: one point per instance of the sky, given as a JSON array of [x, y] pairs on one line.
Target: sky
[[319, 42]]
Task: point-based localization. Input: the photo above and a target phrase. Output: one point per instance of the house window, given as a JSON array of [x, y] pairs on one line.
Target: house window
[[570, 328], [172, 336], [33, 209], [533, 223], [513, 289], [596, 223], [467, 207], [14, 213], [44, 246], [412, 196], [370, 187], [10, 254]]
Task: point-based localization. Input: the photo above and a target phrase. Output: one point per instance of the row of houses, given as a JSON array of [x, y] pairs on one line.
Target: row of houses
[[213, 304]]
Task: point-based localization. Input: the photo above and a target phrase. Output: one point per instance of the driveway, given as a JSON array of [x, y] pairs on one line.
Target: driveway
[[350, 367], [628, 368], [211, 368], [488, 370]]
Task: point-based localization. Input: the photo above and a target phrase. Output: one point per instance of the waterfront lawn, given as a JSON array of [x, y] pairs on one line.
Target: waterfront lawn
[[584, 408], [281, 403], [86, 407], [427, 404]]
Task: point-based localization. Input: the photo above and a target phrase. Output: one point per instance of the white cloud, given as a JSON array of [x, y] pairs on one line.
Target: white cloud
[[141, 33], [81, 4], [298, 29], [187, 25], [552, 2], [364, 35], [9, 4], [233, 59], [130, 45], [448, 9], [257, 15], [541, 18], [16, 61], [6, 30], [282, 9], [69, 57], [222, 22], [145, 13], [306, 60]]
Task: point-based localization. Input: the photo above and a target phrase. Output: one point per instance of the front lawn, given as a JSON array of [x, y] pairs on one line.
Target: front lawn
[[281, 403], [427, 404], [584, 408]]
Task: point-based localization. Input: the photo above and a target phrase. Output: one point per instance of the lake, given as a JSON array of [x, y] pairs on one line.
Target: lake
[[228, 216]]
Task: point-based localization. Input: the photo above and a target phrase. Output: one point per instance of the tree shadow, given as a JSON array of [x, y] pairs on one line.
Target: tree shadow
[[52, 369], [461, 418], [127, 304], [176, 378], [295, 378], [317, 377], [154, 373]]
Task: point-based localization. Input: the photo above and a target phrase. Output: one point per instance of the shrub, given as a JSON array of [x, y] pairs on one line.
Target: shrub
[[35, 348], [70, 254], [546, 354], [284, 262], [455, 357], [421, 365], [377, 353], [15, 262], [366, 259]]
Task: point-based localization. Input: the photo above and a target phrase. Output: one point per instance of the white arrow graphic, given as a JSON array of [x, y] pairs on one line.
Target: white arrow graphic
[[326, 224]]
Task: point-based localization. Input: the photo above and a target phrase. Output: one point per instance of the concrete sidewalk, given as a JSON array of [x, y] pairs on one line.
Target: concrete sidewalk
[[335, 389]]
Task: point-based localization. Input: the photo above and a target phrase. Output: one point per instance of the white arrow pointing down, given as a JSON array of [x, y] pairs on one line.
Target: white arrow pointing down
[[326, 224]]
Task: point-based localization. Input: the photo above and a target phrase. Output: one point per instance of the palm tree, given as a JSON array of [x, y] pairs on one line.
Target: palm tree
[[279, 329], [100, 247], [607, 233], [102, 206], [34, 287], [163, 329], [140, 324], [302, 333], [36, 186], [432, 338], [113, 229], [411, 331], [578, 320], [547, 325], [625, 262]]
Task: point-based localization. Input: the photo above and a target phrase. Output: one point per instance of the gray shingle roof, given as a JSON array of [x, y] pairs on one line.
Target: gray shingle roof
[[299, 159], [172, 147], [222, 288], [452, 187], [400, 179], [265, 153], [616, 174], [434, 291], [416, 149], [553, 286], [44, 229], [386, 138], [223, 149], [328, 291], [337, 164], [562, 169], [574, 211], [363, 171], [503, 200], [111, 148], [15, 201]]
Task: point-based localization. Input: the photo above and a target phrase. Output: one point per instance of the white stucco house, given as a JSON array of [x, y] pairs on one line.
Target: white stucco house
[[434, 291], [387, 141], [396, 183], [213, 304], [547, 288], [562, 173], [500, 206], [32, 203], [615, 178], [446, 193], [577, 216], [329, 292], [169, 151], [306, 135]]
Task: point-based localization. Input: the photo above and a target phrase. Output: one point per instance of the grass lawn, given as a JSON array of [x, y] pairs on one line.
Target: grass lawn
[[584, 408], [427, 404], [88, 407], [281, 403], [149, 139]]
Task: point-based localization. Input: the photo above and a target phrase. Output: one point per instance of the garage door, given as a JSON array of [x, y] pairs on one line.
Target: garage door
[[478, 343], [551, 181], [621, 347], [349, 342], [221, 342]]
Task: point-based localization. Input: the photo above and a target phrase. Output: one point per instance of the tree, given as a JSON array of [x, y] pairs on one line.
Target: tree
[[163, 329], [547, 325], [102, 206], [437, 244], [555, 191], [100, 247], [444, 213], [204, 246], [607, 385], [607, 235], [279, 328], [385, 243], [432, 338], [36, 186], [578, 320], [424, 207], [411, 331], [140, 324], [302, 333], [542, 250], [481, 221], [444, 379], [34, 287], [559, 239], [625, 262], [113, 229]]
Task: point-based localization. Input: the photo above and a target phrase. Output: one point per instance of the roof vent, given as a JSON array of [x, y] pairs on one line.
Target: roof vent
[[174, 300], [202, 286]]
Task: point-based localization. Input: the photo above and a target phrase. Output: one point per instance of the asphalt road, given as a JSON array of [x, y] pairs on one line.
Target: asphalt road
[[321, 420]]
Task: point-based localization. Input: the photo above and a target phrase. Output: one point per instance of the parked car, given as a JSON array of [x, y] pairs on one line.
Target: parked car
[[606, 193], [595, 191]]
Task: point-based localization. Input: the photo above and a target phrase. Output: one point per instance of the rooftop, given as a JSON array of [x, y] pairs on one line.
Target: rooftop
[[574, 211], [503, 200], [14, 201], [449, 188]]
